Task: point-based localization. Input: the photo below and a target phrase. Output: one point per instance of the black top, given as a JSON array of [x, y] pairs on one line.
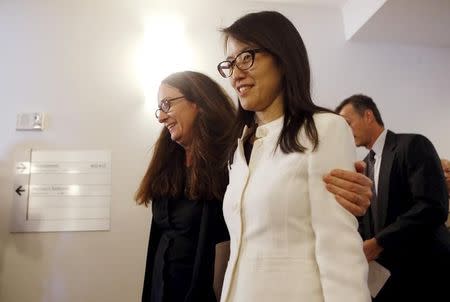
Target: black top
[[180, 256]]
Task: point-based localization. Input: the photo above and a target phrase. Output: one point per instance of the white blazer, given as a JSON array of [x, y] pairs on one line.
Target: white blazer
[[290, 239]]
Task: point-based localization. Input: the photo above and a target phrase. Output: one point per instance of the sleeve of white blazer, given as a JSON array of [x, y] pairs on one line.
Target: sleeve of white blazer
[[342, 265]]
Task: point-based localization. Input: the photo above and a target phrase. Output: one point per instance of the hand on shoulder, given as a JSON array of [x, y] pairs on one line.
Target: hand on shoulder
[[353, 190]]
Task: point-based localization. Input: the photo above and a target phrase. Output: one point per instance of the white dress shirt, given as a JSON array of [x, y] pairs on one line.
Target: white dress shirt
[[378, 149]]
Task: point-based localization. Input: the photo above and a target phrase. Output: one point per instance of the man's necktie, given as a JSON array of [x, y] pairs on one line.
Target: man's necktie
[[373, 201]]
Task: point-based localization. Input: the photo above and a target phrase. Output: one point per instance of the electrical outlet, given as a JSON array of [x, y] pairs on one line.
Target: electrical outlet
[[30, 121]]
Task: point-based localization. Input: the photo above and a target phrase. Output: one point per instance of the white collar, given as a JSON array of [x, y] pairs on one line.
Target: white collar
[[273, 127], [379, 143]]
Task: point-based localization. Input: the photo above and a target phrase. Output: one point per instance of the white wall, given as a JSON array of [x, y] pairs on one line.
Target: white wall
[[74, 61]]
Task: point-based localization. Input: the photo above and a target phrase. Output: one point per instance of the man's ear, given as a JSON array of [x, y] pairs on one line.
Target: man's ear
[[368, 116]]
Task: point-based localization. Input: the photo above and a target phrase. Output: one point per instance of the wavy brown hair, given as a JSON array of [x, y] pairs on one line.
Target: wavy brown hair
[[273, 32], [167, 175]]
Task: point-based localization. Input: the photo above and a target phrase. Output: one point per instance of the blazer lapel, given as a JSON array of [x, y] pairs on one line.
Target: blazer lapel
[[387, 159]]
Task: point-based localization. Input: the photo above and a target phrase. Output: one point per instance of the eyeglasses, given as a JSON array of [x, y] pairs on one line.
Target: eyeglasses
[[244, 60], [165, 105]]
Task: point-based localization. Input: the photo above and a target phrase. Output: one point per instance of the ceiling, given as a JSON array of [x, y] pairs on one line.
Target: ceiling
[[418, 22]]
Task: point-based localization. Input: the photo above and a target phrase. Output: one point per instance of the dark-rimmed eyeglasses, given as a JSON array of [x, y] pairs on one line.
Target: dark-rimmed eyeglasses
[[165, 105], [244, 60]]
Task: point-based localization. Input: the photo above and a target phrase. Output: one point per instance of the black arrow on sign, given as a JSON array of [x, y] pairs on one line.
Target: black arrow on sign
[[21, 167], [20, 190]]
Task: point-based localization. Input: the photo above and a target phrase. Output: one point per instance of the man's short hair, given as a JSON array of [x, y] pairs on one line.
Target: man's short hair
[[361, 103]]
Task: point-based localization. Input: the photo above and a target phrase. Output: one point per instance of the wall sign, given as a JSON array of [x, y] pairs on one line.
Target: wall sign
[[61, 191]]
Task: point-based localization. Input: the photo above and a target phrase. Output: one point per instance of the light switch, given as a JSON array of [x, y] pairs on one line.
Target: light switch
[[30, 121]]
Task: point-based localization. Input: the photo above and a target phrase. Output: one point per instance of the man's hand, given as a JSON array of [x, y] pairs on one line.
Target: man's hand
[[351, 189], [372, 249]]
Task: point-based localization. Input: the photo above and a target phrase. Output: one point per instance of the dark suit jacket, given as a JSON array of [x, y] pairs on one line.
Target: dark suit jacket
[[412, 209]]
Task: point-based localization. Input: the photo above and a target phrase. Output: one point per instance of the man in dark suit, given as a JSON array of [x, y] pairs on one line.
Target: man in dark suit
[[404, 228]]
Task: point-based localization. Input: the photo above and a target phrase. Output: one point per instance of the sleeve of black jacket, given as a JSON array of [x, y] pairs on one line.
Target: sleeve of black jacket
[[155, 235], [427, 190]]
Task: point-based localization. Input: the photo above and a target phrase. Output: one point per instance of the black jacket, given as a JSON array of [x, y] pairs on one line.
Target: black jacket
[[212, 231], [412, 207]]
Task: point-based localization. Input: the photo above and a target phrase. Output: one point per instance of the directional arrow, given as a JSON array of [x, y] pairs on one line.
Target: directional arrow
[[20, 190], [21, 167]]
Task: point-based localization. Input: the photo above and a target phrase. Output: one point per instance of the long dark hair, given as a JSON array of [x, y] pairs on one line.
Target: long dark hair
[[207, 177], [278, 36]]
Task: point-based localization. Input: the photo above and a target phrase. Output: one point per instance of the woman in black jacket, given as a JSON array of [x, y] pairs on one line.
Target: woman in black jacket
[[186, 181]]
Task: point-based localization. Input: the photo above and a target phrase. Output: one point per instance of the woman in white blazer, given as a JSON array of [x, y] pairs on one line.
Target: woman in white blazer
[[290, 241]]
